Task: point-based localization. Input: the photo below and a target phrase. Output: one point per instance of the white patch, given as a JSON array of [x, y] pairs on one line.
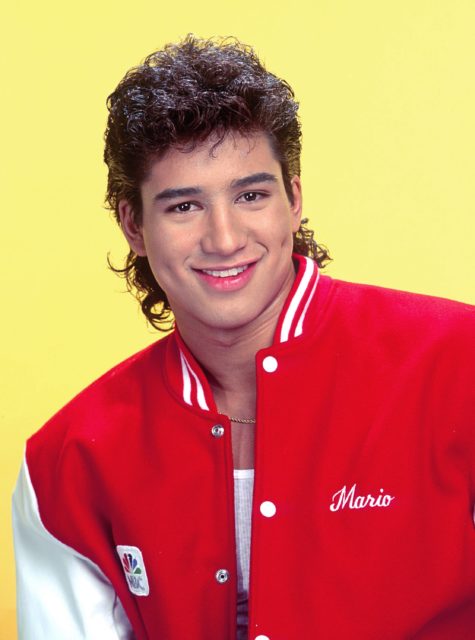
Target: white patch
[[349, 498], [134, 569]]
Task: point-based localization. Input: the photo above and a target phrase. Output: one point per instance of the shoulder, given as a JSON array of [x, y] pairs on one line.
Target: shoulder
[[375, 307], [407, 331], [102, 409], [421, 347]]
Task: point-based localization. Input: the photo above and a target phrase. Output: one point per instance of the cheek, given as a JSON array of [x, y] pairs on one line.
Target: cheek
[[159, 257], [167, 254], [171, 239], [285, 229], [159, 244]]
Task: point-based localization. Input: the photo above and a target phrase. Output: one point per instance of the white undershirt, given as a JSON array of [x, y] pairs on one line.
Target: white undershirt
[[243, 489]]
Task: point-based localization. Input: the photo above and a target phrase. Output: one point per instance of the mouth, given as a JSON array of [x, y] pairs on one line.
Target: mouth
[[225, 273], [227, 279]]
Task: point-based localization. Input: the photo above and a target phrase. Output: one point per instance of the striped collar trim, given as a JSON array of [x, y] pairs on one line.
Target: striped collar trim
[[196, 391], [292, 318], [192, 387]]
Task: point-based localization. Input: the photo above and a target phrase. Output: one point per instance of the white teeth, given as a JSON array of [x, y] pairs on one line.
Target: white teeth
[[225, 273]]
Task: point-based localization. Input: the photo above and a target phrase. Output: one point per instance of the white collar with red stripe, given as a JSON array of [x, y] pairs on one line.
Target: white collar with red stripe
[[195, 389]]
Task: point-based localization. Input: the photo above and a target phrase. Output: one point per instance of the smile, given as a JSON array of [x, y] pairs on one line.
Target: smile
[[227, 280], [225, 273]]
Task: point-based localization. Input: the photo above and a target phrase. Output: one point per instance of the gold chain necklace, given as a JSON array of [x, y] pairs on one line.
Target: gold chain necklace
[[243, 420]]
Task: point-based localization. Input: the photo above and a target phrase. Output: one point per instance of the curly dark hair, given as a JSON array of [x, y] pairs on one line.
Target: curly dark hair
[[180, 96]]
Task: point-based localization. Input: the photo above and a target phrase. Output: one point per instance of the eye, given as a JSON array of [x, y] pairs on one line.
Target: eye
[[252, 196], [182, 207]]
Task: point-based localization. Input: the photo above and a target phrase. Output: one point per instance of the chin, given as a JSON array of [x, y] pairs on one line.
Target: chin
[[229, 320]]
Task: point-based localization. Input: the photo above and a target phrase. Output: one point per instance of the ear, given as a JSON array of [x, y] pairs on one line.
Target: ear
[[131, 230], [296, 206]]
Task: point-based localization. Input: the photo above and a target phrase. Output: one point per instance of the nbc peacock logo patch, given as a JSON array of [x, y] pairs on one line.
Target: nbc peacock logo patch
[[134, 569]]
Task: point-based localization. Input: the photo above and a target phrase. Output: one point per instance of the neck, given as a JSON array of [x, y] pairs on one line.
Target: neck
[[227, 355], [228, 359]]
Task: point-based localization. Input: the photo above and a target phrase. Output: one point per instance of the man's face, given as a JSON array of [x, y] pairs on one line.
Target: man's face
[[217, 230]]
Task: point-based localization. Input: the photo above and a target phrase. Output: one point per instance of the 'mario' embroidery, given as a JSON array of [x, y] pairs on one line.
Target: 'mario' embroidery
[[134, 569], [349, 498]]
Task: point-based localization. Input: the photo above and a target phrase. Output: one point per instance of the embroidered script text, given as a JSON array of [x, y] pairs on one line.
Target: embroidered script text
[[349, 498]]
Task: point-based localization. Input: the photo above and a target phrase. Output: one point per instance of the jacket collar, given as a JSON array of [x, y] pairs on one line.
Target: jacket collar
[[195, 389], [292, 317], [185, 374]]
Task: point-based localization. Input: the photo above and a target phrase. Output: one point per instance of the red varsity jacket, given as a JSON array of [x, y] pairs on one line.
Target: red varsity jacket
[[364, 492]]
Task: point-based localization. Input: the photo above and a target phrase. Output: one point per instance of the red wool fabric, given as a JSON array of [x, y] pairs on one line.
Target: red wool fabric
[[364, 444]]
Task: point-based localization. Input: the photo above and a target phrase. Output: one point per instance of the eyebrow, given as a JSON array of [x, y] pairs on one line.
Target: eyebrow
[[254, 178], [185, 192]]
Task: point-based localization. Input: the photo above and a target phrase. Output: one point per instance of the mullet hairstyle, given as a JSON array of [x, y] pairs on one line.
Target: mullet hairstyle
[[178, 97]]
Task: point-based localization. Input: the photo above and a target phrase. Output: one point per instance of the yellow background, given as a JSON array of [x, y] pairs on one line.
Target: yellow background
[[388, 103]]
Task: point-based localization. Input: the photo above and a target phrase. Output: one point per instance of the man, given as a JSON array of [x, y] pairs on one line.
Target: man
[[295, 460]]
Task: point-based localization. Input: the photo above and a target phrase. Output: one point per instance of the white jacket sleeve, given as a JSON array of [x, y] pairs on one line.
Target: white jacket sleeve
[[60, 593]]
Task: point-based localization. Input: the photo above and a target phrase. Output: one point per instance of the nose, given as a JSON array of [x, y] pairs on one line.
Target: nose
[[225, 232]]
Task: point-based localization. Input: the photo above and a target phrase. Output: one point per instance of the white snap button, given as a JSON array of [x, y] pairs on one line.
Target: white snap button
[[268, 509], [221, 576], [262, 638], [217, 430], [270, 364]]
